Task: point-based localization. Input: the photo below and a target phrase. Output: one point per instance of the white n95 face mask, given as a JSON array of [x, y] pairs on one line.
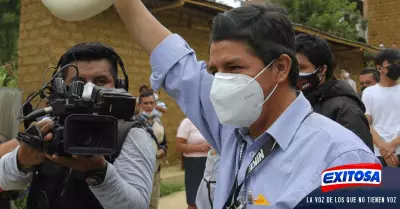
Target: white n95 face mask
[[87, 90], [238, 98]]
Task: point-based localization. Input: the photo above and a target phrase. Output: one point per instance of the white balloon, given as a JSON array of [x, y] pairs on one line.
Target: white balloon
[[76, 10]]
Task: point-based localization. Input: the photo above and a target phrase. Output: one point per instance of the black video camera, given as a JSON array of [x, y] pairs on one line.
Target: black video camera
[[83, 126]]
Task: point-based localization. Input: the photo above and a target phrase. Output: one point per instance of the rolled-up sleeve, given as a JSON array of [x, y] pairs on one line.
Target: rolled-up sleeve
[[128, 182], [10, 177], [176, 69]]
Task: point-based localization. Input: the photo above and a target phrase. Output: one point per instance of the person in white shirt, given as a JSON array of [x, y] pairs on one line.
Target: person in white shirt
[[382, 102], [346, 77]]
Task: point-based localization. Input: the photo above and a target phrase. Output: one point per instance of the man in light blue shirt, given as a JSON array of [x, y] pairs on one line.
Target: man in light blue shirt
[[249, 111]]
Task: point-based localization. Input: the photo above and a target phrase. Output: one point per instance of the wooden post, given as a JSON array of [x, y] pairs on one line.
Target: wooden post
[[10, 104]]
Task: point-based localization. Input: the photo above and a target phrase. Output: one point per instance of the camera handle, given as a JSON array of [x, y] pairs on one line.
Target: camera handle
[[33, 137], [55, 146]]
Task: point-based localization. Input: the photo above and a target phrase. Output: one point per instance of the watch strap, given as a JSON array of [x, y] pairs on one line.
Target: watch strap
[[95, 178]]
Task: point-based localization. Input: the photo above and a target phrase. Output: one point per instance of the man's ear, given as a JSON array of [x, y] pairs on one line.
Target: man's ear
[[322, 70], [284, 64]]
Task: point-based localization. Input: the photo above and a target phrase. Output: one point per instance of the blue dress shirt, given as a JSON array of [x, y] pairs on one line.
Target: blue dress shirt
[[292, 170]]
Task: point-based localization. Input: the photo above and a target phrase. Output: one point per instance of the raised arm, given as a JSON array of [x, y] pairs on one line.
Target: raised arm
[[144, 28], [175, 68]]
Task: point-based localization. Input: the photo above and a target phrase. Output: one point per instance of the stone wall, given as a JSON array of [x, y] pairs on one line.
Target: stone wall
[[41, 31], [383, 22]]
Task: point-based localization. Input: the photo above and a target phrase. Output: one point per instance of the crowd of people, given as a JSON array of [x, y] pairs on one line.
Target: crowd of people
[[269, 119]]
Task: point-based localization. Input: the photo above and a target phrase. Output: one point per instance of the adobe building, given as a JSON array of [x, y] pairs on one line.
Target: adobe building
[[42, 32], [383, 22]]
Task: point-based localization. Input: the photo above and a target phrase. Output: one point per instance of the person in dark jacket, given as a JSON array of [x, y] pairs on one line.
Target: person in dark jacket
[[328, 96]]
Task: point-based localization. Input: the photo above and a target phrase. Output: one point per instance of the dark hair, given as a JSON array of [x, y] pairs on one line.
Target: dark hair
[[145, 94], [317, 51], [373, 71], [390, 55], [144, 88], [266, 29], [89, 52]]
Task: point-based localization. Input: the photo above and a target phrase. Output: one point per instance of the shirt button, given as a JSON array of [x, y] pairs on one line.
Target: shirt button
[[251, 154]]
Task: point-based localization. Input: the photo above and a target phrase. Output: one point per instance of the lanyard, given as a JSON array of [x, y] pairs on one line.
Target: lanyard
[[233, 202], [260, 156]]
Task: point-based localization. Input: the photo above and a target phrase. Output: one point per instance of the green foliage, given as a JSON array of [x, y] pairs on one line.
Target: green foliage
[[336, 17], [20, 203], [8, 76], [167, 189], [9, 29]]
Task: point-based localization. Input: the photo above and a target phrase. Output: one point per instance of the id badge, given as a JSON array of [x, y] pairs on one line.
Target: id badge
[[240, 203]]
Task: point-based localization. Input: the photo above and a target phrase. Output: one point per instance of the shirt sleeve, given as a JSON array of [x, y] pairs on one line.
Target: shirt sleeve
[[184, 78], [128, 182], [297, 193], [183, 130], [352, 157], [10, 176]]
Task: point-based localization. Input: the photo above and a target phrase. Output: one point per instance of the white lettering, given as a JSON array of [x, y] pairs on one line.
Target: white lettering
[[259, 157]]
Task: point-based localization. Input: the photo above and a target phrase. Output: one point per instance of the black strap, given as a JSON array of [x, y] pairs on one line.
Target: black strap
[[266, 149], [209, 191], [259, 157], [124, 126]]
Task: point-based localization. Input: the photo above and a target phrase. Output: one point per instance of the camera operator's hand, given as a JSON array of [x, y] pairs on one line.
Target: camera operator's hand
[[28, 156], [80, 163]]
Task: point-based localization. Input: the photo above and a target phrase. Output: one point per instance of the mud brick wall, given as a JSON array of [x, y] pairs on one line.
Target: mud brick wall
[[352, 61], [383, 22], [40, 30]]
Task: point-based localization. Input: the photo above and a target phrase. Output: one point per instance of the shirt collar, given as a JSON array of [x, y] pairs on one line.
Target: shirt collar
[[284, 128]]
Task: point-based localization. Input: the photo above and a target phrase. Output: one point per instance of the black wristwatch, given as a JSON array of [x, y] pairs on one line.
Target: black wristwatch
[[95, 178]]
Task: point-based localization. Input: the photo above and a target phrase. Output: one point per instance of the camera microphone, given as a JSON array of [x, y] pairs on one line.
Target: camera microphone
[[39, 113]]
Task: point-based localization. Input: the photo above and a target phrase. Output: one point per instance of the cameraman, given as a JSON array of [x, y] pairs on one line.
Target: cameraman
[[85, 182]]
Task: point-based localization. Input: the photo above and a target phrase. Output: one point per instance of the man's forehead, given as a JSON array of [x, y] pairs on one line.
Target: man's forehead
[[148, 99], [89, 65], [366, 76], [227, 50], [89, 69]]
